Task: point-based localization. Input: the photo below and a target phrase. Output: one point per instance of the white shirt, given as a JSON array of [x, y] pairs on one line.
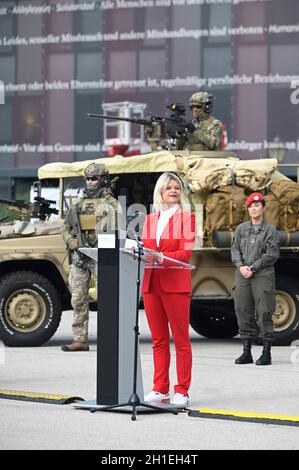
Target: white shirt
[[165, 215]]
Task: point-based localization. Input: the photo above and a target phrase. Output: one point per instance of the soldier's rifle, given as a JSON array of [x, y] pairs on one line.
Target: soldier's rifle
[[40, 208], [75, 256], [73, 219]]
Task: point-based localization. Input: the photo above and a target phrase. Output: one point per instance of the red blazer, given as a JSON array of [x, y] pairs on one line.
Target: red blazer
[[176, 241]]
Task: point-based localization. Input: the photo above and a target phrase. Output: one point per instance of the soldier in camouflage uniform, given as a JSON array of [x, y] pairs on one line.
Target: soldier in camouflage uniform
[[208, 130], [97, 211]]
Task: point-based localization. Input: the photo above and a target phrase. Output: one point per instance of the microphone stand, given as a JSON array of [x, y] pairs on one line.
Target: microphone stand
[[134, 398]]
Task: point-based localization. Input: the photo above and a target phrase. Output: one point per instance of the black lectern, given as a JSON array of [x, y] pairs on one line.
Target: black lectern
[[116, 317]]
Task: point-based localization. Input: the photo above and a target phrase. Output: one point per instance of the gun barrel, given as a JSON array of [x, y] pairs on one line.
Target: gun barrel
[[133, 120], [43, 200], [19, 204]]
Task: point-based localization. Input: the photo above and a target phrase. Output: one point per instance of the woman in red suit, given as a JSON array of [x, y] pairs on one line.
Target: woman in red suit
[[166, 287]]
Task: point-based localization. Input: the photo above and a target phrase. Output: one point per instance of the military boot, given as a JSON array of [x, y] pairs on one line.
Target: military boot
[[246, 357], [265, 358], [75, 346]]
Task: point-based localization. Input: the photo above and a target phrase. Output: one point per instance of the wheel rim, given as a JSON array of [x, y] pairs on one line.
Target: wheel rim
[[25, 311], [285, 312]]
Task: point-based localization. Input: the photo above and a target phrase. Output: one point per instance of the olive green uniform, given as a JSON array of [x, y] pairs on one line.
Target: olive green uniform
[[105, 210], [258, 248]]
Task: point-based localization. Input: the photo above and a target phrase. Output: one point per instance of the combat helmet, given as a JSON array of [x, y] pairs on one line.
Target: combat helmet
[[99, 171], [95, 169], [202, 98]]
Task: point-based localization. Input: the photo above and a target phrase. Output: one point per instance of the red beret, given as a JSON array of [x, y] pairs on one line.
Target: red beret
[[254, 197]]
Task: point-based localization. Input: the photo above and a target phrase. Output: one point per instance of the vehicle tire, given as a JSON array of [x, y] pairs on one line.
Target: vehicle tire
[[214, 320], [286, 316], [30, 309]]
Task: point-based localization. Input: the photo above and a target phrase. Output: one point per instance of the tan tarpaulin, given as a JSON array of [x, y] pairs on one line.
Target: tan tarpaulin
[[155, 162], [210, 174]]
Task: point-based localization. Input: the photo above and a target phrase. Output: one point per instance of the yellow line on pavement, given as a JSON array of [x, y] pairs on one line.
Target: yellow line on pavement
[[38, 397], [252, 416]]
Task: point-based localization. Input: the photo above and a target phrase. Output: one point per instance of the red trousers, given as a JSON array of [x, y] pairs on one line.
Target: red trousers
[[163, 309]]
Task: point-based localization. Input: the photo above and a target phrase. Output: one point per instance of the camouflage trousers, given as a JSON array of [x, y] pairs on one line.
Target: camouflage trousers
[[79, 281]]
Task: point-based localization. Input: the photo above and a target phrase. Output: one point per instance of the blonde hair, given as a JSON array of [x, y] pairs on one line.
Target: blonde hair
[[160, 187]]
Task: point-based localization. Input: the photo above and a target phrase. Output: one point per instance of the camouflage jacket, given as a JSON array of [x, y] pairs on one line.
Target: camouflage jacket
[[207, 136], [104, 212]]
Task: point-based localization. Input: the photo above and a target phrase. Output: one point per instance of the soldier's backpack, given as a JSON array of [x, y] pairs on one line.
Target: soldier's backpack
[[272, 210], [287, 193], [255, 175], [224, 210]]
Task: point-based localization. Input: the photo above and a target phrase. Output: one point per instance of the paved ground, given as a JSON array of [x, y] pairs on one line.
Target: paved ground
[[217, 383]]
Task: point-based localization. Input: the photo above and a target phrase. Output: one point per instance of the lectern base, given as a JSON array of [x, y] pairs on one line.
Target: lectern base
[[91, 405]]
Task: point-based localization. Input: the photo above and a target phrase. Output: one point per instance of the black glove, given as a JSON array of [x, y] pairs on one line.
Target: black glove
[[190, 127]]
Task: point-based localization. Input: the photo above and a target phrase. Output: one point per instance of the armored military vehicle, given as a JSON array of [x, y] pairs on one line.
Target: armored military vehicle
[[34, 262]]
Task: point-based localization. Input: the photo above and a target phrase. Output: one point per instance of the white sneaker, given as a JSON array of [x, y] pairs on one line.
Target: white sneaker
[[179, 399], [157, 397]]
